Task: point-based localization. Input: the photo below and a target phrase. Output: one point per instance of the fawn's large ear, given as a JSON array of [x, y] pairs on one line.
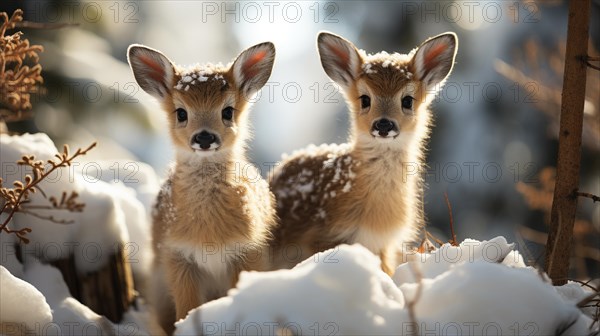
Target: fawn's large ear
[[252, 68], [339, 58], [434, 59], [152, 70]]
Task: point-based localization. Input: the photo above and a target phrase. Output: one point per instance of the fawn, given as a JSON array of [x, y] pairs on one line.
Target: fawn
[[368, 190], [210, 221]]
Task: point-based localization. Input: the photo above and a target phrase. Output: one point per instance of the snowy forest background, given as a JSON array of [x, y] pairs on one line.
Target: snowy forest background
[[492, 148]]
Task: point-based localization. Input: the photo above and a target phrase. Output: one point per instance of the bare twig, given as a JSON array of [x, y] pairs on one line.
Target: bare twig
[[19, 233], [426, 245], [435, 239], [453, 241], [44, 25], [593, 197], [592, 59], [48, 218]]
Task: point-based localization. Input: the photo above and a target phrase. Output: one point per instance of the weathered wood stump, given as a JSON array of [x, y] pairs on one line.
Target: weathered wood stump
[[108, 291]]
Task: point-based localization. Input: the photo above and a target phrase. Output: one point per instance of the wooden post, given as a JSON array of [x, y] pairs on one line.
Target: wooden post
[[564, 204]]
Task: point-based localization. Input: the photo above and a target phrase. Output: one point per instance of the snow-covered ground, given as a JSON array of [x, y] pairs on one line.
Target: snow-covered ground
[[479, 287]]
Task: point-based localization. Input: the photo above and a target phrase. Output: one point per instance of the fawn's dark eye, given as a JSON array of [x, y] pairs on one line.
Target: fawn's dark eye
[[181, 115], [365, 101], [227, 113], [407, 102]]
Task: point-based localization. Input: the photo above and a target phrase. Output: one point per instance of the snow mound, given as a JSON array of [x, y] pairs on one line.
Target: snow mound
[[21, 303], [71, 317], [430, 265], [343, 291], [483, 298]]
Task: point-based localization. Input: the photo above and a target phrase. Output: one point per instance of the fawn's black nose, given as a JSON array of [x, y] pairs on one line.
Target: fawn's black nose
[[205, 139], [383, 126]]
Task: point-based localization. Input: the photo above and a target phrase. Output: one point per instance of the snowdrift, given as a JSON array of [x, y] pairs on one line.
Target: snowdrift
[[477, 288]]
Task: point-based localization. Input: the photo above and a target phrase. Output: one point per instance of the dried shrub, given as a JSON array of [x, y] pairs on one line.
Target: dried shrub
[[20, 72], [17, 198]]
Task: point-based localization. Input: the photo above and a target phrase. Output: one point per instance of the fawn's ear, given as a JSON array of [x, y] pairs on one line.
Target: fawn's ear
[[434, 59], [252, 68], [152, 70], [339, 58]]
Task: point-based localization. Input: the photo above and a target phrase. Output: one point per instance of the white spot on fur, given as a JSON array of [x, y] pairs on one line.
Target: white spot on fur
[[347, 187], [211, 257], [213, 147], [391, 134], [367, 68], [165, 207]]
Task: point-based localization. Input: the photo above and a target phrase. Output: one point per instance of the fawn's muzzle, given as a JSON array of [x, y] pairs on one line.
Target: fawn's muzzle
[[383, 127], [204, 140]]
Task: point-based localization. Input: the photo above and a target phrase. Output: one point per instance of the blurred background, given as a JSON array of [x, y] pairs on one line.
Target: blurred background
[[493, 146]]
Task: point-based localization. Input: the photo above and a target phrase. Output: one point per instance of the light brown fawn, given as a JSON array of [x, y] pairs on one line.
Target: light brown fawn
[[368, 190], [211, 220]]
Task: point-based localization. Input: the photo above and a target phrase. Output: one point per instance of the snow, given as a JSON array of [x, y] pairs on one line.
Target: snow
[[433, 264], [304, 299], [367, 68], [574, 292], [113, 213], [343, 291], [199, 73], [71, 317], [482, 298], [136, 178], [117, 197], [21, 302], [385, 60]]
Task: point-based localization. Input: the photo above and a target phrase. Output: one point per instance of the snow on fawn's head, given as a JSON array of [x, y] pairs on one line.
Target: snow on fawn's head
[[388, 94], [205, 104]]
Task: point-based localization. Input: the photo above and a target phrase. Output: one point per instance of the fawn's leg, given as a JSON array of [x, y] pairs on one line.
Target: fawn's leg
[[162, 301], [183, 279], [386, 264]]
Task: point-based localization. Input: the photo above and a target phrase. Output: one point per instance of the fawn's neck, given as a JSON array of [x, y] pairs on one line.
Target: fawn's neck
[[399, 160], [212, 168]]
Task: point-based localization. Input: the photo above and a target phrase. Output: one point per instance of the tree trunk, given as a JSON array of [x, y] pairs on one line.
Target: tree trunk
[[564, 204], [108, 291]]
